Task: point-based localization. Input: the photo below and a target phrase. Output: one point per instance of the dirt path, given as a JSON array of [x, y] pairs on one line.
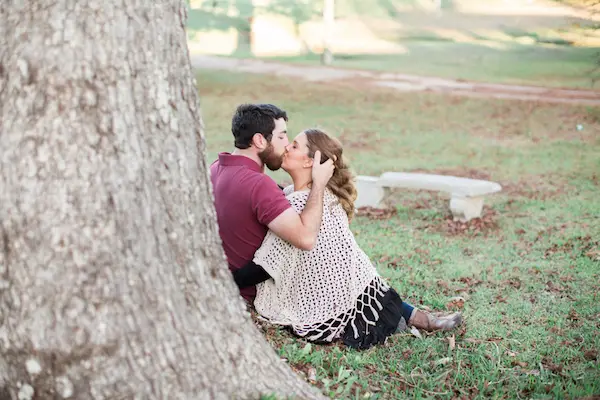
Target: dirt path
[[401, 82]]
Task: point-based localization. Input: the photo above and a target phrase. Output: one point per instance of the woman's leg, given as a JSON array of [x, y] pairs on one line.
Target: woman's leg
[[406, 311], [426, 321]]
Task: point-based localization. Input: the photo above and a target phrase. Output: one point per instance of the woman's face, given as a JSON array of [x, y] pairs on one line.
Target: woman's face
[[296, 154]]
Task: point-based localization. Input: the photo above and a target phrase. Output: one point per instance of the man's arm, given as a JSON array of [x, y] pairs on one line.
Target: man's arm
[[301, 230]]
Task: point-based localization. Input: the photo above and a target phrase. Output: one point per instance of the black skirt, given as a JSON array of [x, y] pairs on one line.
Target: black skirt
[[386, 325], [365, 335]]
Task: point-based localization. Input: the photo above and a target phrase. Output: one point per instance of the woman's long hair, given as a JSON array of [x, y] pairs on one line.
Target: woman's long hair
[[342, 181]]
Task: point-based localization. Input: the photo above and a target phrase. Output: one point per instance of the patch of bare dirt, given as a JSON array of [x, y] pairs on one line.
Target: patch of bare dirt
[[400, 82]]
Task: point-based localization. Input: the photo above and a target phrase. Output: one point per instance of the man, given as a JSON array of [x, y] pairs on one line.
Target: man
[[248, 202]]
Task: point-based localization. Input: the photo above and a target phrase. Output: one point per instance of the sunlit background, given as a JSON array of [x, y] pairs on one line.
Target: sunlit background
[[555, 43]]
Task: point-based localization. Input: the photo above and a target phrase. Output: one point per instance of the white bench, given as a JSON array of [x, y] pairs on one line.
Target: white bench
[[466, 201]]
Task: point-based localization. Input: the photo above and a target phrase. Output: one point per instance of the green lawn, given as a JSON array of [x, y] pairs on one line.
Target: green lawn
[[522, 64], [529, 270]]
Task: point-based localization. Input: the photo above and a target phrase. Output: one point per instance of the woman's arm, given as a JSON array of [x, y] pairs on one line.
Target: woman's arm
[[250, 274]]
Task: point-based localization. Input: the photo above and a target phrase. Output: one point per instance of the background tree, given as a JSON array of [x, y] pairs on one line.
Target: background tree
[[112, 278], [240, 15]]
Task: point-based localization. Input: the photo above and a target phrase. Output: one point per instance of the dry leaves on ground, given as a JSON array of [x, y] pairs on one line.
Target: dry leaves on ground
[[455, 303], [376, 213], [485, 224]]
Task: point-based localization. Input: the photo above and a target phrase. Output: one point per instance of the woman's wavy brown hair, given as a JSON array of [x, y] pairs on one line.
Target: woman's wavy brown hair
[[342, 181]]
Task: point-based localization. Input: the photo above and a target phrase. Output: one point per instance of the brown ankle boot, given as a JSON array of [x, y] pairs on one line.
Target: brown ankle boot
[[430, 323]]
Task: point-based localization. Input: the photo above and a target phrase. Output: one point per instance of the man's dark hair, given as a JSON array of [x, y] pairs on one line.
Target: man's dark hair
[[250, 119]]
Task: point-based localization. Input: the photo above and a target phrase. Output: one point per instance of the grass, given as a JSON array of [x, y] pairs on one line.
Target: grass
[[529, 270], [523, 64]]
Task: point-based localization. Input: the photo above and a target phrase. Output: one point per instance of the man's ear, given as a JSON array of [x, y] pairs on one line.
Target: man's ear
[[259, 141]]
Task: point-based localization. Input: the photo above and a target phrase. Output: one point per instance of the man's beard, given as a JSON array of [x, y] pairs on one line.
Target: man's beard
[[270, 159]]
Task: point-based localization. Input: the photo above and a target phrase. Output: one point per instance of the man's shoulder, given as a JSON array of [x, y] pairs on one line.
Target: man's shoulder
[[263, 181], [244, 178], [214, 166]]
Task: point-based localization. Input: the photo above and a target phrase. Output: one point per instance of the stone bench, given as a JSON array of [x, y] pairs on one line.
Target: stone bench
[[466, 195]]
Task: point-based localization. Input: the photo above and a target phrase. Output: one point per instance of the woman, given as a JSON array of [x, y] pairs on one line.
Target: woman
[[333, 291]]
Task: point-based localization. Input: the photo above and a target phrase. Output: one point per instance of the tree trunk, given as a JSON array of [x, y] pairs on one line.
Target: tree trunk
[[113, 283]]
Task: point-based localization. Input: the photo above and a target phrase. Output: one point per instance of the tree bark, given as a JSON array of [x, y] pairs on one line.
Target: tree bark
[[113, 283]]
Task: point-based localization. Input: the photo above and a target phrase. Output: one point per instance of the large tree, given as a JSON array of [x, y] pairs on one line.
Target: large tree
[[113, 283]]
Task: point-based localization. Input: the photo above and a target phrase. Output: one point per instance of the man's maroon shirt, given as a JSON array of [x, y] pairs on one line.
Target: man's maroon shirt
[[246, 200]]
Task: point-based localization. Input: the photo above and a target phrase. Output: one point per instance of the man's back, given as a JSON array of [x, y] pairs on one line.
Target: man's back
[[246, 201]]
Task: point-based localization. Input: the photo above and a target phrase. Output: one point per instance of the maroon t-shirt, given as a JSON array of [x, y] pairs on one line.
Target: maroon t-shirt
[[246, 200]]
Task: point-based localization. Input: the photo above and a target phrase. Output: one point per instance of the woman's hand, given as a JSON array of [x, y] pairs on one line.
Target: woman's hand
[[321, 173]]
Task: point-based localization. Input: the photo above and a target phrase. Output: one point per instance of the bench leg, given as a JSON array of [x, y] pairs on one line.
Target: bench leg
[[369, 193], [466, 208]]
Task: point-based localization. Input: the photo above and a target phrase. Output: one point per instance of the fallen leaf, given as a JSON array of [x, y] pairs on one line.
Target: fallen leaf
[[548, 388], [573, 315], [384, 259], [442, 284], [549, 365], [591, 355], [395, 262], [521, 364], [464, 295], [422, 251], [553, 288], [510, 353], [593, 254], [500, 299], [567, 278], [469, 281], [456, 302], [415, 332], [442, 361], [515, 282], [535, 372], [452, 342]]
